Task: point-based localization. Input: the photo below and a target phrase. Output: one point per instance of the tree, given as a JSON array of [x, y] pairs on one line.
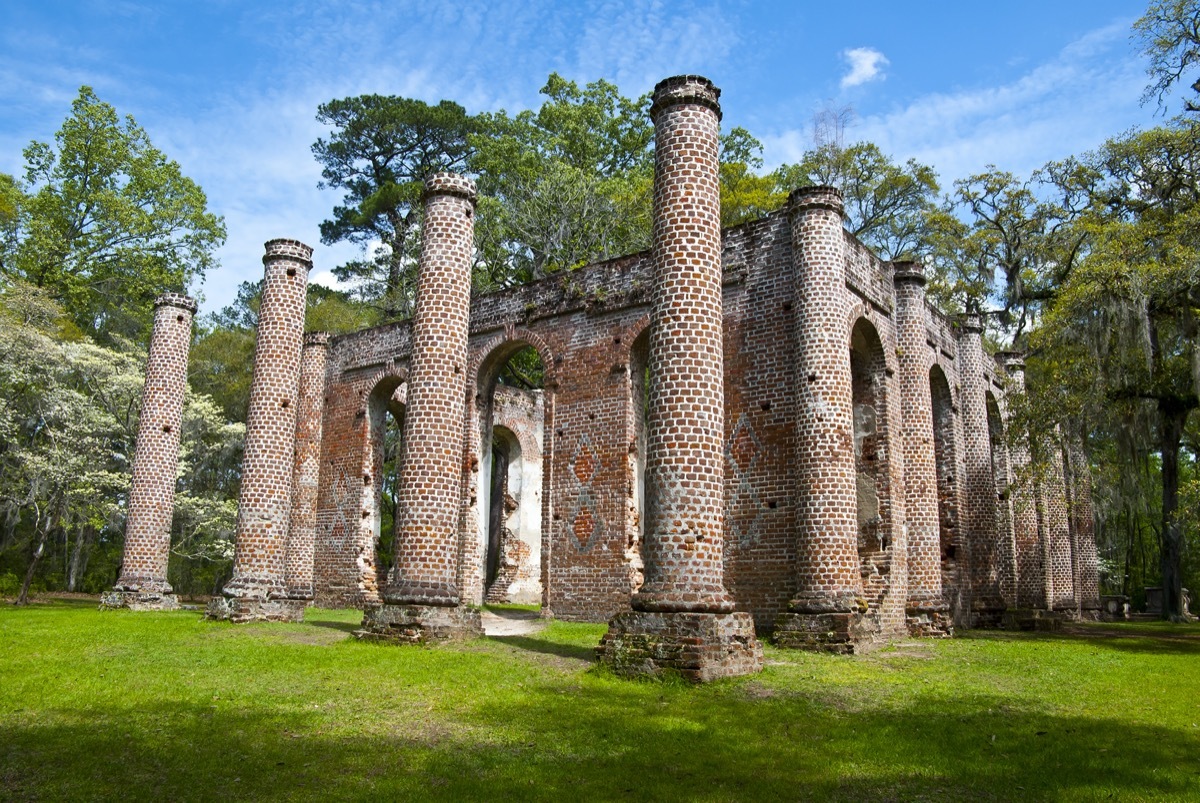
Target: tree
[[565, 185], [887, 204], [1131, 307], [382, 149], [12, 202], [107, 222], [1170, 35], [745, 194], [1003, 246]]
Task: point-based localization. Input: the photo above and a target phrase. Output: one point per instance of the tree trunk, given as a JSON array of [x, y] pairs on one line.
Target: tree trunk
[[43, 536], [79, 556], [1170, 432], [394, 302]]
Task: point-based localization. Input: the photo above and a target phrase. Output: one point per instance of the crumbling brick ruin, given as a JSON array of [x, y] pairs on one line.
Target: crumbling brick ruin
[[258, 589], [143, 582], [766, 424]]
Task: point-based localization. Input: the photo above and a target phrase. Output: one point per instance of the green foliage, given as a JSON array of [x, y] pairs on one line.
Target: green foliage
[[1124, 323], [68, 421], [745, 194], [563, 186], [1169, 32], [1005, 242], [106, 222], [887, 204], [379, 153]]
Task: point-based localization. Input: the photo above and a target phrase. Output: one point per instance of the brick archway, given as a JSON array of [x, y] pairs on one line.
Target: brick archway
[[483, 368]]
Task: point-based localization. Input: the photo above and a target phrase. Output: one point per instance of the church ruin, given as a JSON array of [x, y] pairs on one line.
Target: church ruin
[[766, 427]]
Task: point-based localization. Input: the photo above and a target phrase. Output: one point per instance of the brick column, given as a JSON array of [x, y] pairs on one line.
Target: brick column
[[143, 582], [827, 610], [1030, 571], [1083, 529], [257, 590], [1056, 529], [926, 610], [302, 524], [683, 609], [979, 482], [421, 599]]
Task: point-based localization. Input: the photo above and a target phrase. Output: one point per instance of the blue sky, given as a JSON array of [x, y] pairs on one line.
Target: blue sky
[[229, 89]]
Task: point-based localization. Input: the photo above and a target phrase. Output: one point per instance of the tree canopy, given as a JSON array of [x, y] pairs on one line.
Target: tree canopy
[[104, 222], [380, 152]]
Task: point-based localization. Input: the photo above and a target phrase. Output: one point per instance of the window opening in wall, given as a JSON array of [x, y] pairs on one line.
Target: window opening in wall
[[945, 462]]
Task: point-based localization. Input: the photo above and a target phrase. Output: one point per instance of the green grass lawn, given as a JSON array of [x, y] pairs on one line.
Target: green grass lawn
[[165, 706]]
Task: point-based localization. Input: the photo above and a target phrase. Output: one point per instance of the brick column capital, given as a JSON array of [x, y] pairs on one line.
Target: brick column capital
[[970, 323], [283, 248], [179, 300], [316, 339], [449, 184], [1013, 362], [908, 272], [684, 89], [806, 199]]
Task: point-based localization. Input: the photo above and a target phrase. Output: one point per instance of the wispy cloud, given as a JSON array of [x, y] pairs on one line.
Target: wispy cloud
[[639, 43], [1068, 105], [866, 64]]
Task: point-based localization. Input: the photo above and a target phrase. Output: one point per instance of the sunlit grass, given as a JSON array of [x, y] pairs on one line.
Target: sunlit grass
[[167, 706]]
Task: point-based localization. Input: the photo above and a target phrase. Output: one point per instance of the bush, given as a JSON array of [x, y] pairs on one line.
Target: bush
[[10, 584]]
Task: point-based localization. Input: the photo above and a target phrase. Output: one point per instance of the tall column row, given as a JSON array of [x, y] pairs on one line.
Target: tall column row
[[828, 607], [302, 524], [979, 482], [926, 610]]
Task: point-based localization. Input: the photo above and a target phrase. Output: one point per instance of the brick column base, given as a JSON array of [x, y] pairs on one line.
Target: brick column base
[[139, 601], [1030, 619], [841, 632], [240, 610], [987, 613], [420, 624], [929, 619], [696, 646]]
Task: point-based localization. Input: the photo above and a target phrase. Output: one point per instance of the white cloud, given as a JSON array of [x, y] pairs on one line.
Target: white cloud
[[1067, 105], [866, 64]]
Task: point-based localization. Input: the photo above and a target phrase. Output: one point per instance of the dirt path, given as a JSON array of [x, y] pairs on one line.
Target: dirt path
[[511, 623]]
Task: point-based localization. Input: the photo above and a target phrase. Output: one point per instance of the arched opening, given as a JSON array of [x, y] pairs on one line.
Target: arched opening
[[868, 379], [639, 402], [946, 464], [511, 409], [385, 412]]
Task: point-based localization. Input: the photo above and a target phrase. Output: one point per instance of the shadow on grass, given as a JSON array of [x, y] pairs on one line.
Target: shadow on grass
[[1185, 641], [604, 741], [345, 627], [547, 647]]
